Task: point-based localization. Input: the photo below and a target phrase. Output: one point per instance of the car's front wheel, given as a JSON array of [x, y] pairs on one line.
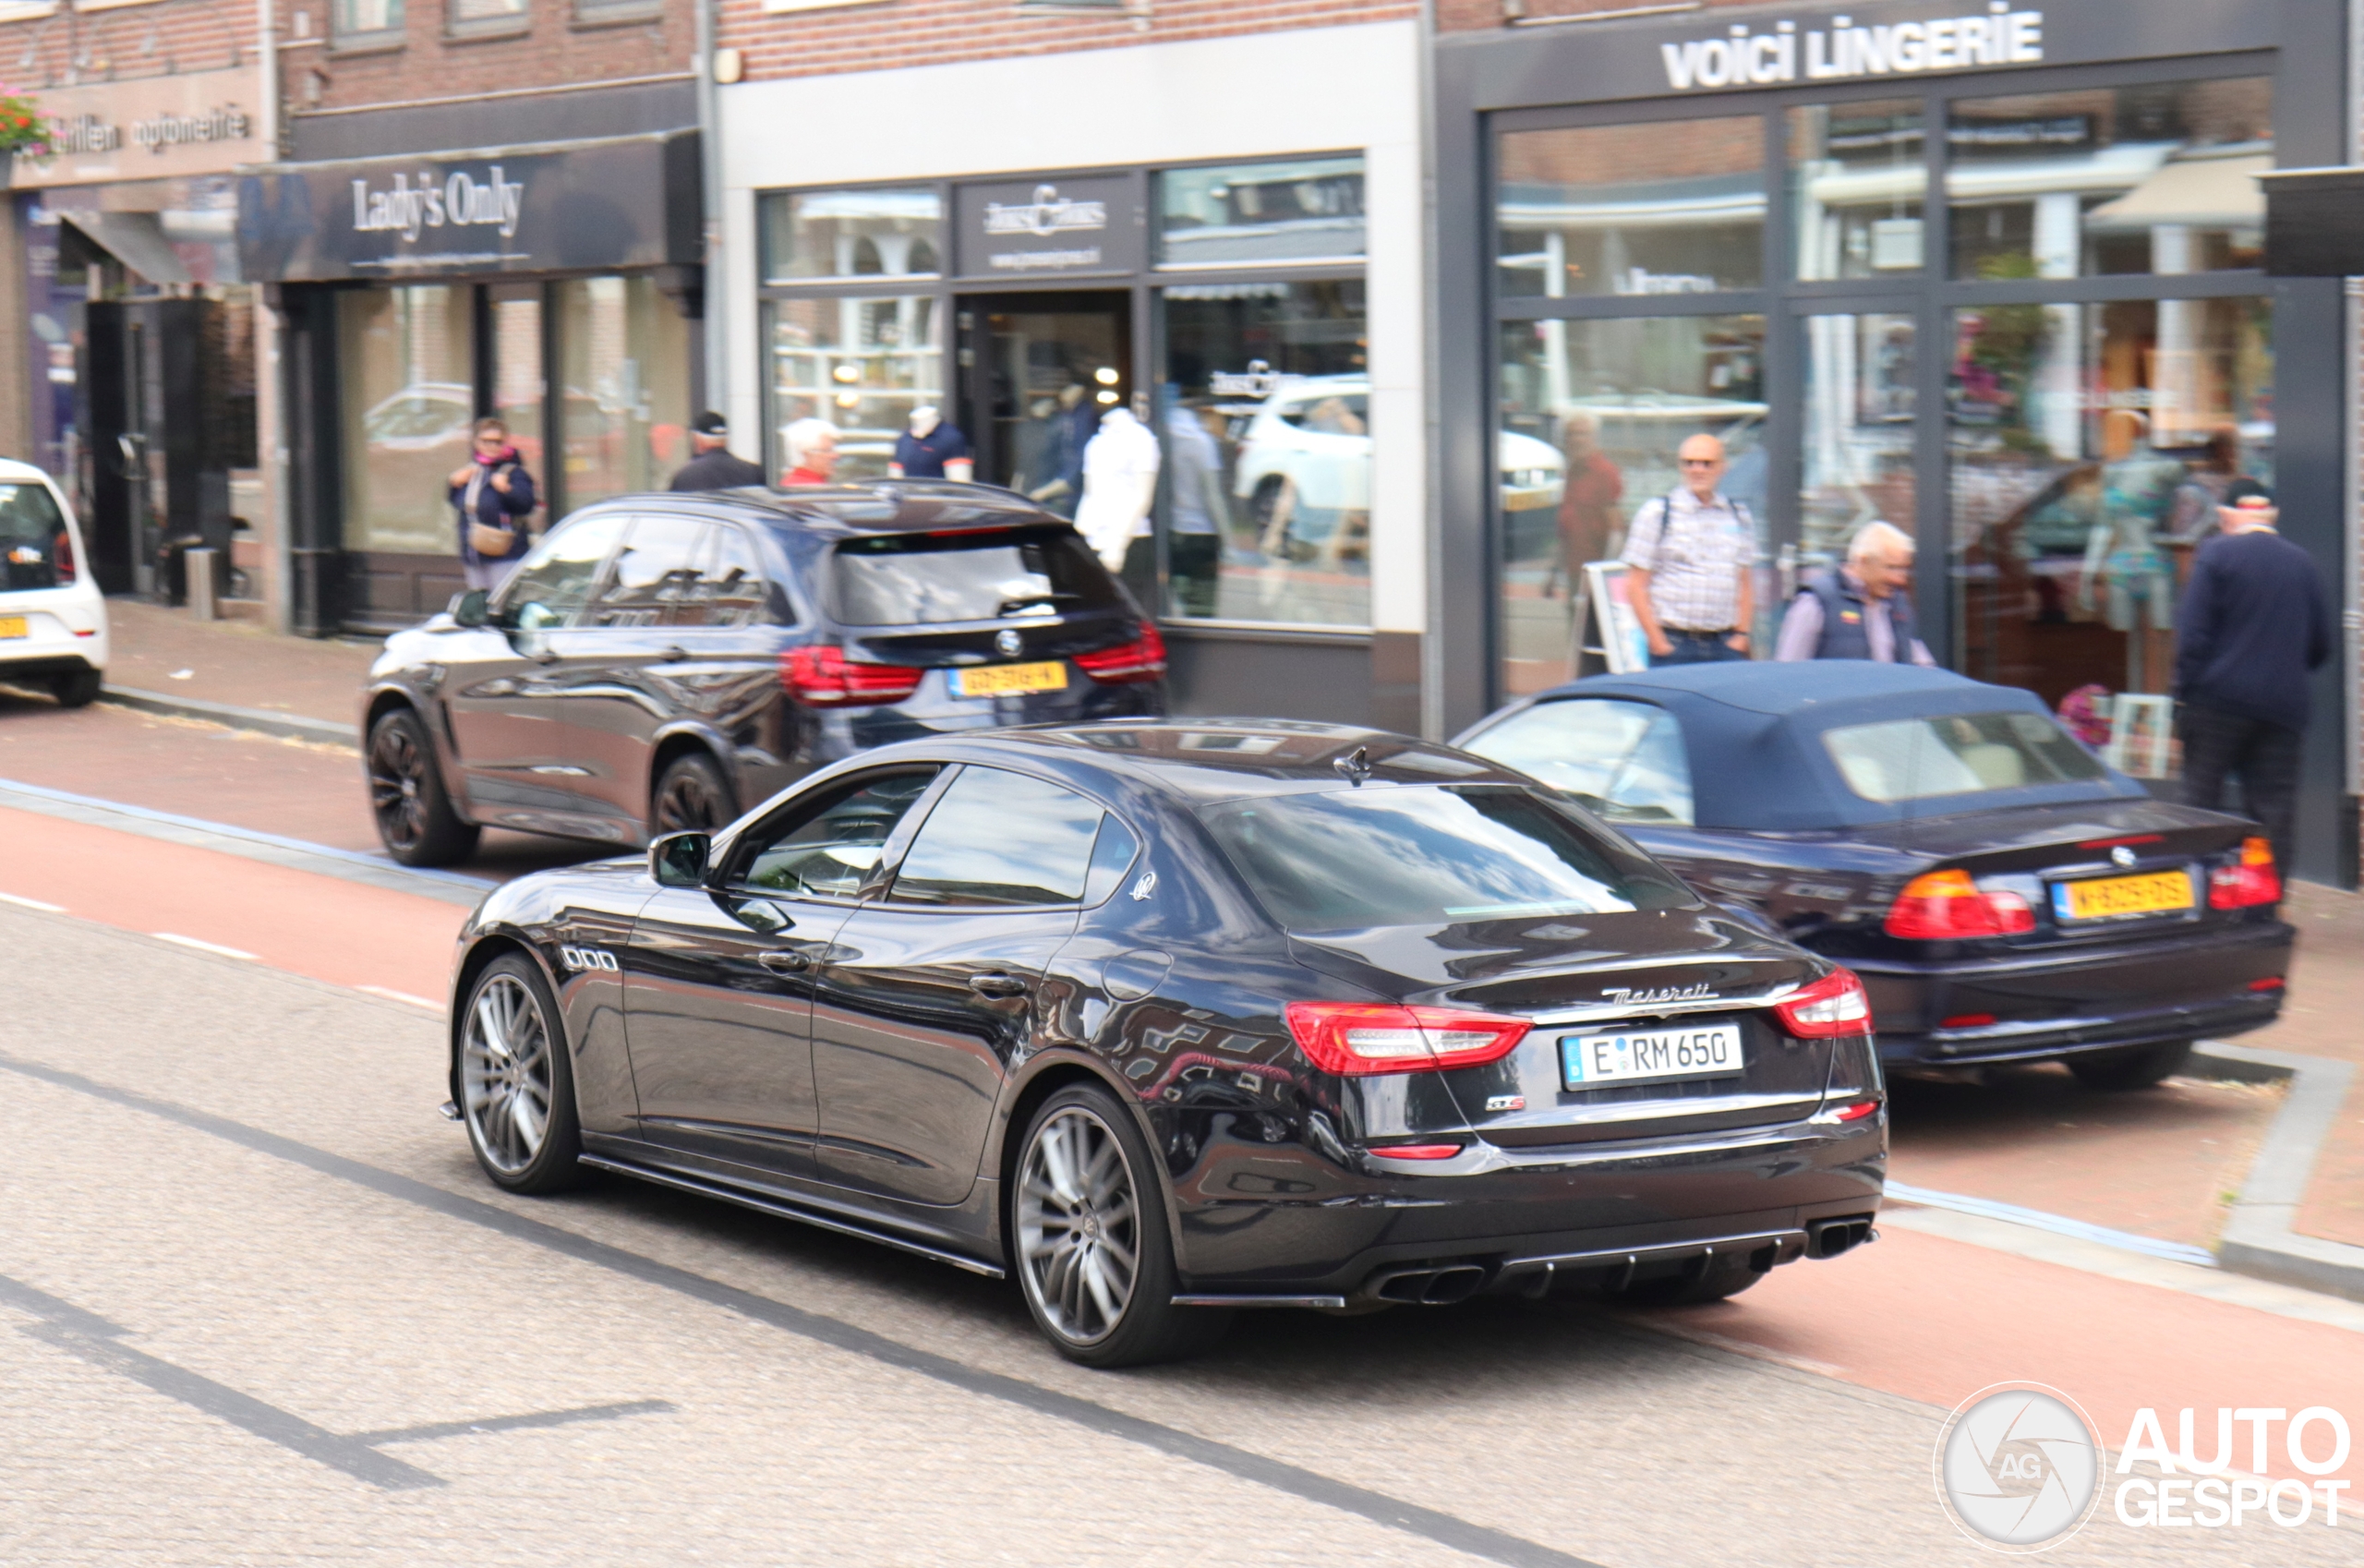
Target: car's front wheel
[[415, 821], [516, 1086], [1095, 1254], [692, 796], [2138, 1067]]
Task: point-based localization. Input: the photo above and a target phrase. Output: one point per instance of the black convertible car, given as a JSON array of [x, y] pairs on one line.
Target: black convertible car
[[1169, 1018], [2003, 895]]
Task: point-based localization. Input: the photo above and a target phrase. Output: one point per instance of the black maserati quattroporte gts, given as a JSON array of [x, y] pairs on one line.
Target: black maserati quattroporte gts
[[1172, 1017]]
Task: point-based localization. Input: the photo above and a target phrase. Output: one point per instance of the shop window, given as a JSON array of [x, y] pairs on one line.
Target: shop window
[[851, 233], [407, 357], [2154, 178], [2090, 445], [1672, 206], [1857, 175], [1244, 215], [365, 21], [1266, 421], [1859, 406], [623, 352], [472, 19], [860, 364], [1592, 412]]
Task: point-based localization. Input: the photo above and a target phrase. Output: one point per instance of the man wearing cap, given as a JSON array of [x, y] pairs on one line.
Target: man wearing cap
[[2253, 626], [714, 468]]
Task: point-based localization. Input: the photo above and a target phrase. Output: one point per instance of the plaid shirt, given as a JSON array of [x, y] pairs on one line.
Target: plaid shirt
[[1694, 558]]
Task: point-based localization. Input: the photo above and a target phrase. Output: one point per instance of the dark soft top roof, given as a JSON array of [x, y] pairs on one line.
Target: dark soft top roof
[[1754, 734]]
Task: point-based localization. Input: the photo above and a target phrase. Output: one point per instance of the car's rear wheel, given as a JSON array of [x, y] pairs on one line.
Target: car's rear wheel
[[2139, 1067], [692, 796], [415, 821], [516, 1087], [77, 688], [1723, 1277], [1093, 1251]]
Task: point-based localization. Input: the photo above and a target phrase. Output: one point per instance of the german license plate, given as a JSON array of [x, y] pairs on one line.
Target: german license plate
[[1010, 680], [1649, 1055], [14, 626], [2117, 897]]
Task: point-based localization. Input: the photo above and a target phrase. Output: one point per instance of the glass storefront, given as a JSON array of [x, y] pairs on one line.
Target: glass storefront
[[623, 354], [861, 363], [2049, 377], [408, 356]]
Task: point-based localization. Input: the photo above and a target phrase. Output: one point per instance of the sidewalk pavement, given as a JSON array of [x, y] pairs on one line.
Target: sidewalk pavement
[[239, 664]]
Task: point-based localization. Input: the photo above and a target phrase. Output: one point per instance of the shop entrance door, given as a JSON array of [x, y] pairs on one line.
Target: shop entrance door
[[1037, 372]]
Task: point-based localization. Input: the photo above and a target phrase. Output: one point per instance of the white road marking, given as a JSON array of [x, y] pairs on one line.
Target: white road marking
[[402, 996], [202, 947], [23, 902]]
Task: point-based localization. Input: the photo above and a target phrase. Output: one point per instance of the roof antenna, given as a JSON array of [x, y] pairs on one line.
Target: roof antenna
[[1355, 767]]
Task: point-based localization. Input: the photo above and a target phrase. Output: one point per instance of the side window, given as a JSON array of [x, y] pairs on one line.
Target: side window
[[559, 574], [732, 583], [1000, 839], [1624, 760], [1112, 857], [828, 851], [658, 578]]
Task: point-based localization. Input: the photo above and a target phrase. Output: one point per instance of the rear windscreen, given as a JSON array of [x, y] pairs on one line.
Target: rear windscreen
[[1959, 753], [1431, 855], [35, 548], [925, 579]]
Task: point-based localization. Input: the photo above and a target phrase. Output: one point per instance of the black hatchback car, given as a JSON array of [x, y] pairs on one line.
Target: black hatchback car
[[657, 662], [1173, 1018], [2004, 895]]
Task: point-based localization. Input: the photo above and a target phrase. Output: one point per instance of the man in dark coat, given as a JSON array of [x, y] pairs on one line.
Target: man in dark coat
[[714, 467], [2253, 626], [491, 496]]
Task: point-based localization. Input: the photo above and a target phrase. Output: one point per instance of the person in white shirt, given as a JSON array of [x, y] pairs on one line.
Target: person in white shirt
[[1119, 484], [1688, 561]]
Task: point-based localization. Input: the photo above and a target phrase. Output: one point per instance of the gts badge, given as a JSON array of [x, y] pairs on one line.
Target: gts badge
[[1506, 1101], [1627, 996], [583, 959]]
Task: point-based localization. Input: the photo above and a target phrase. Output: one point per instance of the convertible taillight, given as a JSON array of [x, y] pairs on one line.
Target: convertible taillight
[[824, 677], [2249, 880], [1833, 1004], [1355, 1038], [1143, 658], [1946, 905]]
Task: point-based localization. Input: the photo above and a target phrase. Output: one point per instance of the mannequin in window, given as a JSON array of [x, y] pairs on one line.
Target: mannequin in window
[[931, 449], [1119, 485]]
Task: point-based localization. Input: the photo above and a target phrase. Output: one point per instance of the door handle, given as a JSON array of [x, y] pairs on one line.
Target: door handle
[[993, 983], [785, 963]]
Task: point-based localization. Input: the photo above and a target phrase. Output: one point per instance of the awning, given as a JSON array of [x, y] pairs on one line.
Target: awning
[[136, 239], [2204, 192], [2314, 223]]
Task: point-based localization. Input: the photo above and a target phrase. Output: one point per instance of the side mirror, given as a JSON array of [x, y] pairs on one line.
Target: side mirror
[[469, 608], [678, 860]]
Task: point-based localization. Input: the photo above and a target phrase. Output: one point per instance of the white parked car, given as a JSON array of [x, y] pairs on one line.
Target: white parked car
[[53, 618], [1308, 444]]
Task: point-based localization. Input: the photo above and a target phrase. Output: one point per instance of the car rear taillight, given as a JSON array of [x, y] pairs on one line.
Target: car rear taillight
[[1417, 1151], [1143, 658], [1945, 905], [1855, 1112], [2248, 881], [1355, 1038], [824, 677], [1833, 1004]]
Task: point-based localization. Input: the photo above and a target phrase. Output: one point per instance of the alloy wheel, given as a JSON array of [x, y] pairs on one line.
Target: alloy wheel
[[1079, 1226], [687, 805], [397, 776], [505, 1073]]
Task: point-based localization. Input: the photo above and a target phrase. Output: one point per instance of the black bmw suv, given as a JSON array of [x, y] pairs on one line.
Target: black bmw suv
[[657, 663]]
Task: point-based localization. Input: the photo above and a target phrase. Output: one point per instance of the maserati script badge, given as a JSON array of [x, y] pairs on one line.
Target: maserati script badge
[[1626, 996]]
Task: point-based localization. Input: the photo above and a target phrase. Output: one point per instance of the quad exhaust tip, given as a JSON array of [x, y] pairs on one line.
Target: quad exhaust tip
[[1828, 1238], [1430, 1288]]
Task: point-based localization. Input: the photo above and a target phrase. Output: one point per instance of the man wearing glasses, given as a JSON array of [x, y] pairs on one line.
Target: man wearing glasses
[[1688, 561]]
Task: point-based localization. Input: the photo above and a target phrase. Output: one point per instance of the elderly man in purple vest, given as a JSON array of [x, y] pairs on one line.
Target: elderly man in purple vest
[[1861, 611]]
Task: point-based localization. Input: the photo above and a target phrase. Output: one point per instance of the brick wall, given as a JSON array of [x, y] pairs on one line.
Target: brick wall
[[1476, 15], [70, 48], [553, 48], [916, 32]]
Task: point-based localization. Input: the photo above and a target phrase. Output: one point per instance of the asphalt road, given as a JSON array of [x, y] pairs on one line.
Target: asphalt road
[[259, 1308]]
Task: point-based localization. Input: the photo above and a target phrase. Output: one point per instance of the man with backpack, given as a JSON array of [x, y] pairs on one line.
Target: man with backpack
[[1690, 559]]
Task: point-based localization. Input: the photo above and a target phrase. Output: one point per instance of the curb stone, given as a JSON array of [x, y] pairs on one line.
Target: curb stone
[[290, 726], [2258, 1238]]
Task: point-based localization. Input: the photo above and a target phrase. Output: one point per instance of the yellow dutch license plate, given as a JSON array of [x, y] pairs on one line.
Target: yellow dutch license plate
[[1010, 680], [2114, 897], [14, 626]]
